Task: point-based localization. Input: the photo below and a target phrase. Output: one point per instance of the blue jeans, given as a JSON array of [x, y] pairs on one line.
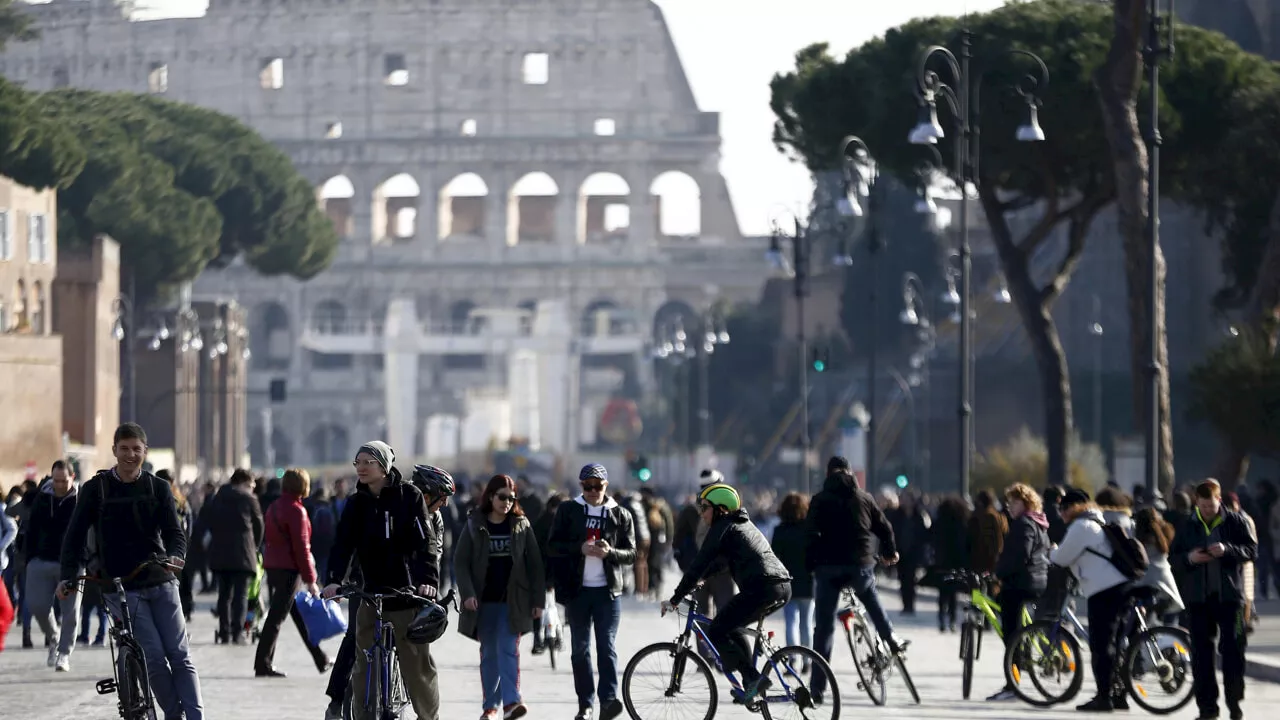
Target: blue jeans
[[499, 657], [594, 606], [828, 582], [160, 629], [799, 616]]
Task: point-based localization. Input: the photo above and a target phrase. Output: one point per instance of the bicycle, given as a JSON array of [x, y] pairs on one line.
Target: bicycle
[[384, 694], [875, 662], [1165, 647], [130, 682], [552, 629], [673, 681]]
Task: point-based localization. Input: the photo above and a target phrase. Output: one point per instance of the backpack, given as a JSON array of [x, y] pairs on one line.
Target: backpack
[[1127, 554], [322, 524], [94, 544]]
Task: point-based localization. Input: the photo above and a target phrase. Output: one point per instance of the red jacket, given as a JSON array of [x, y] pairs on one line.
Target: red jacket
[[288, 538]]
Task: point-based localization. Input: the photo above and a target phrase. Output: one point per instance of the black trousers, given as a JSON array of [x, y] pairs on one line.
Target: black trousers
[[907, 587], [233, 590], [1104, 614], [946, 607], [283, 585], [1226, 621], [728, 630], [1011, 602], [340, 676]]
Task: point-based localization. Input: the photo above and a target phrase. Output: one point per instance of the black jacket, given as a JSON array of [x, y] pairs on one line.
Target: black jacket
[[137, 520], [568, 533], [1193, 580], [736, 541], [1024, 560], [789, 545], [234, 522], [391, 537], [844, 525], [48, 522]]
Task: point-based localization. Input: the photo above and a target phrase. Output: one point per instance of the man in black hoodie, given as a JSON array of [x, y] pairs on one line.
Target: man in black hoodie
[[135, 519], [46, 525], [847, 532], [386, 527]]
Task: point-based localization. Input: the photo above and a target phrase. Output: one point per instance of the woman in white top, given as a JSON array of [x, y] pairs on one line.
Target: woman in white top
[[1156, 536], [1086, 551]]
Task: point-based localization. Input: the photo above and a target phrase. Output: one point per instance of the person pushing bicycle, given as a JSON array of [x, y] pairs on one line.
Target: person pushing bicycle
[[764, 585]]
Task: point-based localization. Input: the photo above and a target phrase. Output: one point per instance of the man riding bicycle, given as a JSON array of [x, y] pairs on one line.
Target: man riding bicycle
[[764, 585], [847, 531]]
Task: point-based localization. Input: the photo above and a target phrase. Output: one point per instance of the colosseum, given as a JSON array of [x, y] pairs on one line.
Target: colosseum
[[527, 192]]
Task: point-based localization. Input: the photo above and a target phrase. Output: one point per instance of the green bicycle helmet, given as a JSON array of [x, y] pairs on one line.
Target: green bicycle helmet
[[722, 495]]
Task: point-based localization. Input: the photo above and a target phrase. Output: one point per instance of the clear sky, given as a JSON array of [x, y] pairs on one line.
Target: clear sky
[[730, 50]]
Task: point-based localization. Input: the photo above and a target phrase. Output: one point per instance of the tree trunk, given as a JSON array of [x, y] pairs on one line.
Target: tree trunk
[[1118, 81]]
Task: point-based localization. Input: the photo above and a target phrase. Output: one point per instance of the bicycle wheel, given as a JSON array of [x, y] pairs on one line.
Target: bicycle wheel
[[1049, 656], [863, 649], [906, 678], [1159, 659], [967, 651], [397, 696], [373, 688], [789, 697], [133, 691], [668, 681]]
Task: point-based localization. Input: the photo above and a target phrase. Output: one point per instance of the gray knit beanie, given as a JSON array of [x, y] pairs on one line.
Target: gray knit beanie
[[381, 452]]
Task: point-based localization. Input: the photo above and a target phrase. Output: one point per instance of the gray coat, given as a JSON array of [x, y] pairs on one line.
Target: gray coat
[[526, 588]]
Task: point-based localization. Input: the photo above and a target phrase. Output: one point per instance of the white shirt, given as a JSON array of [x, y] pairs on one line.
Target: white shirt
[[593, 574]]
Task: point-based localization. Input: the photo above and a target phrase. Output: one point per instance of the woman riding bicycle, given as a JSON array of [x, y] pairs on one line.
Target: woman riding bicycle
[[764, 585]]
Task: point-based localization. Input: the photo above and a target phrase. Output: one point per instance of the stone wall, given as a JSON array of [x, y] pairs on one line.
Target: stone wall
[[31, 395]]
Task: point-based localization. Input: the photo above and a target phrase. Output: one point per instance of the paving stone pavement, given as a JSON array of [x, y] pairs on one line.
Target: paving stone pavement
[[29, 689]]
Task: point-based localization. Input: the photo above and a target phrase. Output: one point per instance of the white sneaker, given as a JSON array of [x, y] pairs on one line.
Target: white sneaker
[[53, 655], [63, 664]]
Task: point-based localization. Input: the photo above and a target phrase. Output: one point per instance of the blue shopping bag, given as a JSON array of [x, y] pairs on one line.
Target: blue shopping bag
[[323, 618]]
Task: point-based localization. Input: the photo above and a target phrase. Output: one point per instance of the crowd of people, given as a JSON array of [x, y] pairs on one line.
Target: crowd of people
[[508, 549]]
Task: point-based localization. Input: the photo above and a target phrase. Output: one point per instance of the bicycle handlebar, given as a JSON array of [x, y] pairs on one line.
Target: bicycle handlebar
[[161, 561], [352, 591]]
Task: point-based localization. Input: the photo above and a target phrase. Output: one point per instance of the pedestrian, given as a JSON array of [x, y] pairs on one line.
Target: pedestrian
[[187, 577], [233, 520], [1208, 554], [911, 531], [950, 553], [286, 557], [501, 583], [1156, 537], [8, 530], [20, 511], [592, 543], [542, 534], [987, 528], [1023, 567], [788, 543], [661, 529], [46, 526]]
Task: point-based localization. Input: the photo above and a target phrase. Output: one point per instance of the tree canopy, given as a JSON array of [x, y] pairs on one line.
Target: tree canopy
[[1061, 182], [181, 187]]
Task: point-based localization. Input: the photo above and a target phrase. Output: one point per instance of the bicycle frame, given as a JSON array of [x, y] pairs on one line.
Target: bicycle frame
[[695, 623], [990, 610], [383, 645]]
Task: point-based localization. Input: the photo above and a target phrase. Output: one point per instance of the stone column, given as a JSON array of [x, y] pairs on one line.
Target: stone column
[[496, 214], [401, 339]]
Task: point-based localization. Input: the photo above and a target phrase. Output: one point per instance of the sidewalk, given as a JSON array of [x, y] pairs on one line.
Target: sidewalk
[[1262, 660]]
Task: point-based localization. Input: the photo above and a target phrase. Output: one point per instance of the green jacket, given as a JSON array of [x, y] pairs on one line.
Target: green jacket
[[525, 591]]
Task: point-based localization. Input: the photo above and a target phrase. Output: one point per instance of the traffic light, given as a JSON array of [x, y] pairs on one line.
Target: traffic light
[[820, 357], [640, 468], [903, 482]]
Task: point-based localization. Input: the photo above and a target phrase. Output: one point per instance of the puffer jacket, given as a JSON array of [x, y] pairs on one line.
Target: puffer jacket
[[740, 545], [1024, 561], [1086, 550], [391, 536]]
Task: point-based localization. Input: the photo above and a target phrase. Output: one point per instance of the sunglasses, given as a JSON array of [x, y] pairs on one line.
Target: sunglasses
[[592, 487], [504, 497]]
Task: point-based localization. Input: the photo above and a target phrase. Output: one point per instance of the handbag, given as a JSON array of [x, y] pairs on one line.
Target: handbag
[[322, 618]]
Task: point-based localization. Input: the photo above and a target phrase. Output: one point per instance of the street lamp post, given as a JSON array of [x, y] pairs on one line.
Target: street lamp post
[[714, 333], [124, 332], [861, 177], [800, 284], [963, 103], [1151, 55]]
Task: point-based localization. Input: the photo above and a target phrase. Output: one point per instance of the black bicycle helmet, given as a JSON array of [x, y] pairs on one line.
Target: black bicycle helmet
[[429, 624], [433, 482]]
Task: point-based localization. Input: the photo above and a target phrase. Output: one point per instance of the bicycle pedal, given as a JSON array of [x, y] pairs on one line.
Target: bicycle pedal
[[106, 687]]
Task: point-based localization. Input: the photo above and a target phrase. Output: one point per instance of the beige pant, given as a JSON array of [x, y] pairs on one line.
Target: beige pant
[[417, 669]]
